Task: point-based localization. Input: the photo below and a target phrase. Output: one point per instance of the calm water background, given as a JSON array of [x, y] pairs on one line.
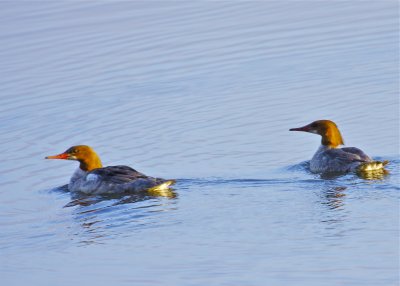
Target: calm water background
[[204, 92]]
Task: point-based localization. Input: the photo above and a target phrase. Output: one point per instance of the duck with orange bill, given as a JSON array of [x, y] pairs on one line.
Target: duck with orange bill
[[92, 178], [331, 157]]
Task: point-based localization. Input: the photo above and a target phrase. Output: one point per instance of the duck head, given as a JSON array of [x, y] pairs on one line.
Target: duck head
[[328, 130], [86, 156]]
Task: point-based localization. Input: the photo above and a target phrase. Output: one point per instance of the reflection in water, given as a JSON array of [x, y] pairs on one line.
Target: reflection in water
[[84, 200], [333, 216], [102, 217], [332, 190], [335, 197], [331, 175], [373, 175]]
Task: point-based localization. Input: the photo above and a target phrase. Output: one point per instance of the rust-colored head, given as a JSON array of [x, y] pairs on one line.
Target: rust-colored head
[[88, 159], [330, 133]]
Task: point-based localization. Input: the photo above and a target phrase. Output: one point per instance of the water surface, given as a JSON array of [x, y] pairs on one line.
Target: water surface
[[203, 92]]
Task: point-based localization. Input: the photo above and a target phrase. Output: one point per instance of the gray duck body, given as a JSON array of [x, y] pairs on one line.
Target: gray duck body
[[111, 180], [346, 159]]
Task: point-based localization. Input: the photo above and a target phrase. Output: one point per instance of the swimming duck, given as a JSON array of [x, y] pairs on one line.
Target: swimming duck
[[330, 157], [92, 178]]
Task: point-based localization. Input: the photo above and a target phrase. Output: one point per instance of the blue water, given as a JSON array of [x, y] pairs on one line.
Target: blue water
[[203, 92]]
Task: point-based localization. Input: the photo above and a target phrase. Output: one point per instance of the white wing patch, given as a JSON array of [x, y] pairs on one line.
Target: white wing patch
[[92, 177]]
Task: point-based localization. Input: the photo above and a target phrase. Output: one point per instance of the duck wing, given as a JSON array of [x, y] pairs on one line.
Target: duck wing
[[358, 152], [342, 161], [116, 174]]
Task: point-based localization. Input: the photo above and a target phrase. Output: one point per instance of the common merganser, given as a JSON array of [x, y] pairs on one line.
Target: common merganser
[[330, 158], [92, 178]]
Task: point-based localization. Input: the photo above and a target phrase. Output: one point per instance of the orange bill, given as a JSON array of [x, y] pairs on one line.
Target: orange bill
[[59, 156]]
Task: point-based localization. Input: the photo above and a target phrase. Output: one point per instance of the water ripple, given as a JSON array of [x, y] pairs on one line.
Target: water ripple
[[204, 92]]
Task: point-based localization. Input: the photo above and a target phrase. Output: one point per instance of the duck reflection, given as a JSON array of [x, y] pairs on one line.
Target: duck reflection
[[84, 200], [366, 175], [333, 215], [334, 197], [102, 217], [373, 175]]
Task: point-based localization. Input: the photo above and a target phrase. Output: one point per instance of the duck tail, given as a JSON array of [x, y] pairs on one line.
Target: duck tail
[[165, 185], [162, 189], [372, 166]]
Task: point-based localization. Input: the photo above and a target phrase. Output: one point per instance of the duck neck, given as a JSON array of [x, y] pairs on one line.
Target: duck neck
[[90, 163], [332, 138]]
